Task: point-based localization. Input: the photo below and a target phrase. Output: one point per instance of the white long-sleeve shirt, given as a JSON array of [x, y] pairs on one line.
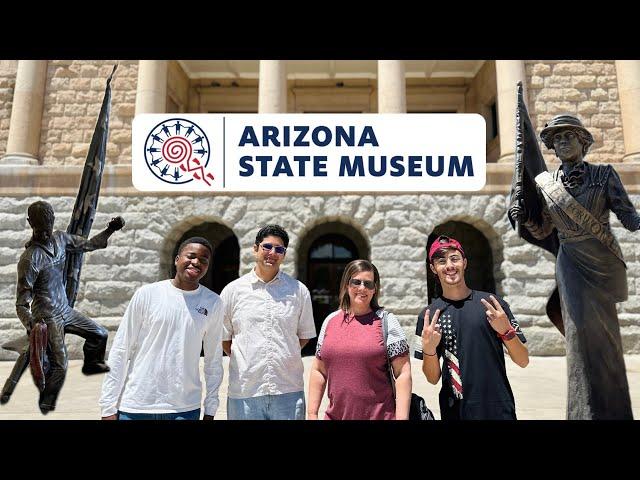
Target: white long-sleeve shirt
[[155, 354]]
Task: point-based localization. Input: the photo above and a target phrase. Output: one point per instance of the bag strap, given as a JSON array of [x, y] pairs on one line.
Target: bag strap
[[385, 332], [576, 212]]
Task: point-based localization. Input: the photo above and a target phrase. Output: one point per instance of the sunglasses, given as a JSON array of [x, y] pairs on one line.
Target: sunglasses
[[279, 249], [368, 284]]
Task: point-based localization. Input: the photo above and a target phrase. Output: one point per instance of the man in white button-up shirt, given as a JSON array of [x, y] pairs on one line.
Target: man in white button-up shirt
[[155, 356], [268, 318]]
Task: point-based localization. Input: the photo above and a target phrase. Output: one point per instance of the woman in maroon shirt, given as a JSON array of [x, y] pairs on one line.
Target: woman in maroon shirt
[[351, 355]]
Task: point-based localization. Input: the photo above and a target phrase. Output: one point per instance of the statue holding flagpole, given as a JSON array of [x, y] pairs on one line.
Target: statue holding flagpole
[[567, 213], [48, 278]]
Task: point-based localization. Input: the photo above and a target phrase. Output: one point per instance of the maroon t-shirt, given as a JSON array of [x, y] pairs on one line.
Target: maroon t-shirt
[[354, 355]]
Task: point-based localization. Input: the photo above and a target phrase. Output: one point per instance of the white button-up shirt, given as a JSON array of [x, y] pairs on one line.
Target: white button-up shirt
[[265, 322]]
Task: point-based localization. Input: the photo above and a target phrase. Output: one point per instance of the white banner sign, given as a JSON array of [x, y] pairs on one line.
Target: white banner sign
[[309, 152]]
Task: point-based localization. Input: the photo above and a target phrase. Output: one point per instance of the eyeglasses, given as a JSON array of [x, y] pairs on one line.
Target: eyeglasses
[[443, 261], [368, 284], [279, 249]]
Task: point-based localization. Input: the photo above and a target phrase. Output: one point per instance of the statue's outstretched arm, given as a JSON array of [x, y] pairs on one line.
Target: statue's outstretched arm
[[619, 202]]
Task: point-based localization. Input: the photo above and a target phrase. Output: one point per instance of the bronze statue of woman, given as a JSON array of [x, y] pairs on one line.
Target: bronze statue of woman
[[575, 200]]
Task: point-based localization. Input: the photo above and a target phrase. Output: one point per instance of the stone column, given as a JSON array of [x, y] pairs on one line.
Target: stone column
[[628, 73], [151, 95], [23, 143], [272, 88], [392, 88], [508, 74]]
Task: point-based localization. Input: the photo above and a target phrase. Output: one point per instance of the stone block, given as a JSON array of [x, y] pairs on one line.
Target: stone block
[[558, 81], [541, 69], [413, 237], [631, 339], [607, 81], [599, 94], [387, 236], [375, 223], [556, 108], [79, 84], [603, 120], [573, 95], [529, 305], [588, 107], [521, 271], [545, 341], [14, 239], [569, 69], [365, 209], [609, 107], [584, 81], [108, 256], [235, 210], [396, 219], [108, 290], [396, 202]]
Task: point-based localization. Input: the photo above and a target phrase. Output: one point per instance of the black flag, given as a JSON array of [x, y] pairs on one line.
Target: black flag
[[84, 210], [529, 162]]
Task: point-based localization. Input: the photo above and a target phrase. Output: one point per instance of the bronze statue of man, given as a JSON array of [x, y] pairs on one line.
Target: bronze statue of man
[[41, 296], [591, 274]]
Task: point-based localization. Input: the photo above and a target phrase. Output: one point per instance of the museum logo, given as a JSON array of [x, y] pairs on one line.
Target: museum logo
[[177, 151]]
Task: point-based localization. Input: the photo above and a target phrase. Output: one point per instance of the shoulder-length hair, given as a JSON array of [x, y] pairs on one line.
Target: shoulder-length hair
[[353, 268]]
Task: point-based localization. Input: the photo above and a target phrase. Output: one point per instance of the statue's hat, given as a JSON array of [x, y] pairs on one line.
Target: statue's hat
[[564, 122]]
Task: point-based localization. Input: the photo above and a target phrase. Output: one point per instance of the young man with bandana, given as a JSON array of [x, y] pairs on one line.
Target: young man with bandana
[[468, 329]]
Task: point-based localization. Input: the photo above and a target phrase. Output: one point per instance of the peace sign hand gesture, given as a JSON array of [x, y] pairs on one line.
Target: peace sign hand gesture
[[496, 315], [431, 334]]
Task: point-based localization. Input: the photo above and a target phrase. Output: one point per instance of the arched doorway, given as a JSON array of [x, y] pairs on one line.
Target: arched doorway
[[325, 252], [479, 273], [226, 255]]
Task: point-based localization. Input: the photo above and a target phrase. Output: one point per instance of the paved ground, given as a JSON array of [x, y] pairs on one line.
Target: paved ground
[[540, 391]]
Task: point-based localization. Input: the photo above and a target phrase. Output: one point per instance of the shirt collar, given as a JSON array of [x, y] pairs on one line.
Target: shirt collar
[[256, 279]]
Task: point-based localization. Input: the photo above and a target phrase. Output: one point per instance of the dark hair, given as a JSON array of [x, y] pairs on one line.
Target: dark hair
[[352, 269], [272, 231], [442, 253], [200, 240], [41, 218]]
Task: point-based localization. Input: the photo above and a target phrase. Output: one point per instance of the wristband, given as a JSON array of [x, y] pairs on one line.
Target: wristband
[[508, 335], [430, 354]]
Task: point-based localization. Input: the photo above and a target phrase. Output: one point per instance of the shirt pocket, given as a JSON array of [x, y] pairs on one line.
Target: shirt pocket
[[284, 306]]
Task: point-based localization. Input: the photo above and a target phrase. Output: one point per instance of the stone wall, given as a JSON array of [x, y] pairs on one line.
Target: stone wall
[[588, 89], [73, 96], [396, 227], [8, 70]]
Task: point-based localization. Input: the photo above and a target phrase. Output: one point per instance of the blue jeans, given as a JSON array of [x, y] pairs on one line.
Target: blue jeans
[[190, 415], [287, 406]]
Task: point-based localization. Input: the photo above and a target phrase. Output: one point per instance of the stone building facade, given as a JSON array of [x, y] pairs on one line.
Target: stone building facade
[[48, 111]]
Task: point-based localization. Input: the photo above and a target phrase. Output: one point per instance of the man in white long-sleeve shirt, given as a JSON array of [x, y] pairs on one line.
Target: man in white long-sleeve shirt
[[155, 354]]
